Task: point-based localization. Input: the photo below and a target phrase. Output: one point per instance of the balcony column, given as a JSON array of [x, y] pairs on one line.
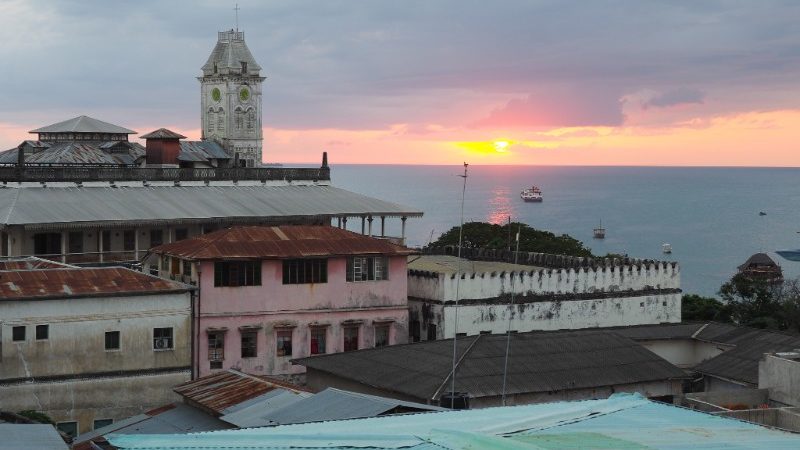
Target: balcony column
[[100, 244], [403, 229], [63, 246], [383, 226], [369, 219], [338, 222], [136, 244], [363, 224], [344, 223]]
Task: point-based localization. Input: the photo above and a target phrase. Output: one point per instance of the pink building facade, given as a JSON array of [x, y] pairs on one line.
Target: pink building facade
[[272, 294]]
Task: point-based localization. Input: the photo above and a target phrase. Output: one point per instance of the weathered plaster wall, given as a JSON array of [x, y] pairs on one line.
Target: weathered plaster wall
[[275, 305], [474, 318], [782, 377], [89, 399]]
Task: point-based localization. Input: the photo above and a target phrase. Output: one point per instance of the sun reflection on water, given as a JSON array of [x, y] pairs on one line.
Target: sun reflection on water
[[501, 206]]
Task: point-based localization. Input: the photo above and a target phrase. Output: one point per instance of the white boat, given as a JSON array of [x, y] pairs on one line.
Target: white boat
[[532, 194], [666, 248]]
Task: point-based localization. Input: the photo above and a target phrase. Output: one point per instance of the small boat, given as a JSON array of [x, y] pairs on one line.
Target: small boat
[[791, 255], [762, 213], [600, 232], [532, 194], [666, 248]]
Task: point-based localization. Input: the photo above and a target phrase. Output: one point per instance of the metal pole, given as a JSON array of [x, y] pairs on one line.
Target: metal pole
[[510, 310], [458, 283]]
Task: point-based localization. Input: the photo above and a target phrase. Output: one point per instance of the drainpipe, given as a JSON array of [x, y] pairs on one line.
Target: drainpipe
[[196, 346]]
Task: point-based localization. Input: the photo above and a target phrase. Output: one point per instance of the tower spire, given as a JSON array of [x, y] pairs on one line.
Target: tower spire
[[236, 9]]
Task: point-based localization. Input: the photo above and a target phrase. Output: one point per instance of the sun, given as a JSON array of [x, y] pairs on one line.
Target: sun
[[500, 146]]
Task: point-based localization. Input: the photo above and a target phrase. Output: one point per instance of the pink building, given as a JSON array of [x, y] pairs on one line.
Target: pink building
[[271, 294]]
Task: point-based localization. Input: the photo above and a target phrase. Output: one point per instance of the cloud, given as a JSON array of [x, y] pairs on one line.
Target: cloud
[[675, 97]]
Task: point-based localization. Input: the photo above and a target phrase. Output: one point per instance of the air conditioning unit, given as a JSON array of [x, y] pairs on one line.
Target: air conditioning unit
[[161, 343]]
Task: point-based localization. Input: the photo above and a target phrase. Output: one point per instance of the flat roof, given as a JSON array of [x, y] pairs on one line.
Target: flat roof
[[125, 206], [448, 264]]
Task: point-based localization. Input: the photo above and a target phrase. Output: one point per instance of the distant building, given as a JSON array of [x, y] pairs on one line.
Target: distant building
[[270, 294], [542, 367], [87, 346], [760, 267], [549, 292]]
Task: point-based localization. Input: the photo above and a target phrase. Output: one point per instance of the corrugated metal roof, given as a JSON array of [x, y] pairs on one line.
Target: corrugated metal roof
[[622, 421], [278, 242], [222, 390], [538, 362], [30, 263], [660, 331], [33, 205], [77, 153], [30, 436], [47, 283], [201, 151], [83, 124], [162, 133]]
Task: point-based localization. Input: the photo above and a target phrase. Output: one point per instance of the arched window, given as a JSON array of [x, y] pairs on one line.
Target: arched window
[[239, 119], [220, 119], [210, 121]]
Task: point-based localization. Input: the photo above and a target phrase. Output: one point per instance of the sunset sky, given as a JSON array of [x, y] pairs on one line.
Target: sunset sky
[[430, 81]]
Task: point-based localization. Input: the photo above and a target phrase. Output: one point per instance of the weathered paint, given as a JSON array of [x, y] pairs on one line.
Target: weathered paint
[[274, 305]]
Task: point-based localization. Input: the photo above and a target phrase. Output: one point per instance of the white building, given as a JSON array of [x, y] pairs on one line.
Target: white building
[[549, 293], [89, 346]]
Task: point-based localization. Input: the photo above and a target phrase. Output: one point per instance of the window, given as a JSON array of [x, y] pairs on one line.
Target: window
[[237, 273], [76, 242], [283, 339], [244, 67], [249, 344], [381, 335], [210, 127], [216, 348], [181, 234], [251, 119], [303, 271], [431, 332], [187, 267], [71, 428], [42, 332], [100, 423], [18, 334], [47, 244], [367, 268], [106, 241], [156, 238], [162, 339], [129, 240], [350, 338], [414, 330], [221, 120], [318, 335], [112, 340]]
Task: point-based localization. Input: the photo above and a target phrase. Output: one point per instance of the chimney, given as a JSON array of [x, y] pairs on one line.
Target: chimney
[[324, 160], [162, 147]]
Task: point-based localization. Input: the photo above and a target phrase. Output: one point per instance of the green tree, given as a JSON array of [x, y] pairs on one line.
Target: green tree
[[695, 307], [753, 302], [492, 236]]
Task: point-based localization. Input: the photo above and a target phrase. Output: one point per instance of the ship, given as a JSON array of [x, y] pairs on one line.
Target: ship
[[532, 194], [600, 232]]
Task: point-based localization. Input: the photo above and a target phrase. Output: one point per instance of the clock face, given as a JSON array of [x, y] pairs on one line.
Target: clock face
[[244, 94], [216, 95]]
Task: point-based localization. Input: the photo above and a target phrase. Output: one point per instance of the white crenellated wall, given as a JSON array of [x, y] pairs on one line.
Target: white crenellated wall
[[581, 280]]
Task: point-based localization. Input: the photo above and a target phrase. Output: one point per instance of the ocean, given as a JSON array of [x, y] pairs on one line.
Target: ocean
[[710, 216]]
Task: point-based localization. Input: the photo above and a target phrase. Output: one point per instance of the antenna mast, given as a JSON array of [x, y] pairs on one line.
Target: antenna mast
[[236, 9], [458, 283], [510, 311]]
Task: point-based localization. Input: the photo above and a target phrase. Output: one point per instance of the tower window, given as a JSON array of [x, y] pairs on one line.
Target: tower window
[[215, 67], [251, 118], [244, 67], [220, 120]]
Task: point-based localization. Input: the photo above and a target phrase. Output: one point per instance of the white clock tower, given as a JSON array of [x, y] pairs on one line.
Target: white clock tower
[[230, 99]]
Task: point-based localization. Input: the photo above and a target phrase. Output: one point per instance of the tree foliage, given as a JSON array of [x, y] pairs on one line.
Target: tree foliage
[[492, 236], [36, 416], [760, 304], [695, 307]]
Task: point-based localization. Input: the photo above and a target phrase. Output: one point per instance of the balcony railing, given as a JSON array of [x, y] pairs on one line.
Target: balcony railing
[[87, 173]]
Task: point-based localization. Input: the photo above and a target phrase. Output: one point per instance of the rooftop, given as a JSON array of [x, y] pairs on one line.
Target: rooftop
[[448, 264], [27, 280], [541, 362], [623, 421], [28, 436], [229, 53], [278, 242], [45, 207], [162, 133], [83, 124]]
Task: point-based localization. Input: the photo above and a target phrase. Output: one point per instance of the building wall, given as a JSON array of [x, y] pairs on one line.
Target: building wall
[[70, 373], [581, 280], [475, 318], [274, 305], [85, 400], [714, 384], [782, 377], [684, 353]]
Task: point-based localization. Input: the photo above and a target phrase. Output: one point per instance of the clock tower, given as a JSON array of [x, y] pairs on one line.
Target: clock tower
[[230, 99]]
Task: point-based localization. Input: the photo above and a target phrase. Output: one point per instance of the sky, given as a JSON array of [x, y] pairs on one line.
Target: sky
[[541, 82]]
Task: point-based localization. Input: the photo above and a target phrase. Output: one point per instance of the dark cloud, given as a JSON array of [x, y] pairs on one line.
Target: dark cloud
[[371, 64], [675, 97]]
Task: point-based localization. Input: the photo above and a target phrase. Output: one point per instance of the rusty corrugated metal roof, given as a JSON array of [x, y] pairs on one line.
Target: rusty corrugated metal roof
[[30, 263], [68, 282], [162, 133], [222, 390], [279, 242]]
